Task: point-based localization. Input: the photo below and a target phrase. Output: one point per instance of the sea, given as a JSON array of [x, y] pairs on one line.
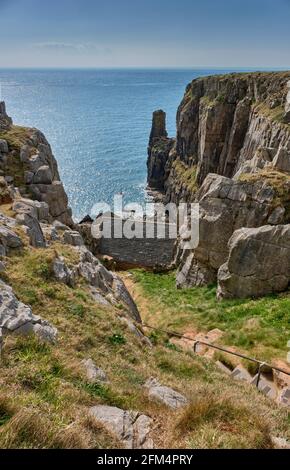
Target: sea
[[98, 124]]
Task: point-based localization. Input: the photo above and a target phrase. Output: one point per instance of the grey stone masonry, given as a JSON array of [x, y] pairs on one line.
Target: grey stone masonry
[[146, 249]]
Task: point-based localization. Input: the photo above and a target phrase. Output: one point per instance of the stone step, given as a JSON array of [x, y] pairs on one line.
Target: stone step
[[240, 373], [265, 386]]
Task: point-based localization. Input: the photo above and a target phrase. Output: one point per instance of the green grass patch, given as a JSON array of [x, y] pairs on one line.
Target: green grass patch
[[261, 325]]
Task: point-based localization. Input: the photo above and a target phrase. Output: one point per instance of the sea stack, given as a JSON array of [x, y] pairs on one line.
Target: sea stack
[[158, 151], [5, 120]]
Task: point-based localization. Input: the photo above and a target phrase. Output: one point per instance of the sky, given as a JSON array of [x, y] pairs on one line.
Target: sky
[[145, 33]]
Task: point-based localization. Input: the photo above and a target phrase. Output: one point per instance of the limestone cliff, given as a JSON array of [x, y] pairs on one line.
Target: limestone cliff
[[221, 122], [232, 155]]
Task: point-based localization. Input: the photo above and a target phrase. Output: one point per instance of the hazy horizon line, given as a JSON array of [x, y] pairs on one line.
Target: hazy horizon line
[[195, 67]]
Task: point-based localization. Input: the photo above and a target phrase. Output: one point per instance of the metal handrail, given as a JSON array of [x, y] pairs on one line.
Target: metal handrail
[[262, 364]]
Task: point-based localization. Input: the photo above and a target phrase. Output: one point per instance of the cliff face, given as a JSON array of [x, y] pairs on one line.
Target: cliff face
[[232, 155], [27, 162], [221, 122]]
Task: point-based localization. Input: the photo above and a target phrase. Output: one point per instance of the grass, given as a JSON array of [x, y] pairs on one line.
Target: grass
[[185, 176], [278, 180], [275, 114], [233, 423], [260, 327], [45, 395], [16, 137]]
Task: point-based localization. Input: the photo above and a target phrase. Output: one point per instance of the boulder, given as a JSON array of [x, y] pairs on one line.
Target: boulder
[[99, 298], [17, 318], [94, 374], [33, 229], [3, 146], [55, 196], [96, 275], [9, 240], [258, 263], [8, 222], [73, 238], [60, 227], [62, 273], [136, 331], [281, 161], [36, 209], [262, 158], [28, 177], [25, 154], [131, 428], [165, 395], [43, 175], [50, 233], [106, 283], [122, 295]]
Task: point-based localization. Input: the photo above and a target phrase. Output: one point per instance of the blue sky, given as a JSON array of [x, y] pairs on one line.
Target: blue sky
[[144, 33]]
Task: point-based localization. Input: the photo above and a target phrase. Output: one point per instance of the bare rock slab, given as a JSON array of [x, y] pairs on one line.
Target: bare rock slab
[[94, 374], [165, 395], [9, 239], [62, 273], [131, 428], [258, 263]]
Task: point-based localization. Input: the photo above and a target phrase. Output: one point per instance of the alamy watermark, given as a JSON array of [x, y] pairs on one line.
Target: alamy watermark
[[152, 221]]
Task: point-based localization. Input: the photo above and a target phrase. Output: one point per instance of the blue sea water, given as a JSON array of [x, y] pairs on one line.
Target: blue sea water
[[98, 123]]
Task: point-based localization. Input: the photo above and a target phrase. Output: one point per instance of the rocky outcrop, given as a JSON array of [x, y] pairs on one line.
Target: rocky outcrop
[[131, 428], [18, 319], [26, 153], [107, 287], [8, 241], [165, 395], [94, 374], [281, 160], [225, 206], [258, 263], [108, 283], [63, 273]]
